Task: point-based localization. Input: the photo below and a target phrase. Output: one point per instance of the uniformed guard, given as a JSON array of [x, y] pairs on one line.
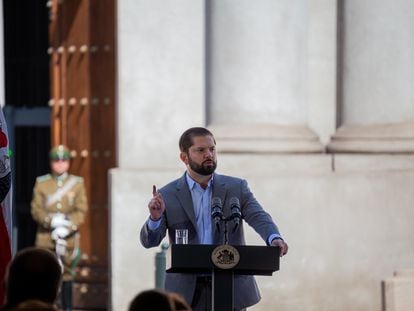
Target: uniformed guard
[[59, 206]]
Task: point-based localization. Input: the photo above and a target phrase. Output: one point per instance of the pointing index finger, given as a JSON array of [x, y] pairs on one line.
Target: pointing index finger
[[154, 190]]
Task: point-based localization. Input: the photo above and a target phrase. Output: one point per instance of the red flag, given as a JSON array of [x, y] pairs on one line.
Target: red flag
[[5, 202]]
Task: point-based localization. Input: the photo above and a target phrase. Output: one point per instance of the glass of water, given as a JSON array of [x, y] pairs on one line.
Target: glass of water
[[181, 236]]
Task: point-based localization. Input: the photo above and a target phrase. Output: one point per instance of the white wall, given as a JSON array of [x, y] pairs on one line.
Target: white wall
[[378, 60], [347, 229], [258, 62]]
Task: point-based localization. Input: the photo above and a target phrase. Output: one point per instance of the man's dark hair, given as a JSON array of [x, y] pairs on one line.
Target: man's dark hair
[[186, 139], [34, 273]]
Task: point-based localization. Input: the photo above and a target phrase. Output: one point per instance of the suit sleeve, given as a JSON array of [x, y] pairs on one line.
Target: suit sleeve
[[151, 238], [254, 214]]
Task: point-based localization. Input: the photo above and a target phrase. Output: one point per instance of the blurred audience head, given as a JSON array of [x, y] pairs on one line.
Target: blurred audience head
[[34, 305], [179, 302], [152, 299], [33, 274]]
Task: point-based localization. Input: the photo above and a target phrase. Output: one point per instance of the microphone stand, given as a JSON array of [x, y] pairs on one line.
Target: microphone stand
[[226, 220], [226, 231]]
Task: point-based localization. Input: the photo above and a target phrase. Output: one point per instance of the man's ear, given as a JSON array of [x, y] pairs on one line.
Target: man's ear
[[184, 157]]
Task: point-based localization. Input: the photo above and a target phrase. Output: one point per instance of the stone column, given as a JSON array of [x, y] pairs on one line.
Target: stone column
[[160, 77], [377, 96], [257, 76], [160, 86]]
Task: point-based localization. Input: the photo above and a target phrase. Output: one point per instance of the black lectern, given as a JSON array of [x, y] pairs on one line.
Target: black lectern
[[223, 262]]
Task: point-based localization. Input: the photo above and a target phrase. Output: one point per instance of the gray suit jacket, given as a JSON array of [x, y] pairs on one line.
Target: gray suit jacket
[[179, 213]]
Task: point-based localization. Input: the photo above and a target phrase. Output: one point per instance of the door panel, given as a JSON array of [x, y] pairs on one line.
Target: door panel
[[82, 71]]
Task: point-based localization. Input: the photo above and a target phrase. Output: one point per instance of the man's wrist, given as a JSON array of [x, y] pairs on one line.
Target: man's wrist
[[273, 237], [277, 238], [153, 224]]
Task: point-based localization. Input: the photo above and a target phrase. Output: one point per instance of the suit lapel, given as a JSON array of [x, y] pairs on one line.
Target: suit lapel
[[184, 196], [219, 188], [220, 191]]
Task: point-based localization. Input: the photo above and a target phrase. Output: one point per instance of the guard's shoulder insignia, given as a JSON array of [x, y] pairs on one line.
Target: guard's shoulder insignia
[[44, 178]]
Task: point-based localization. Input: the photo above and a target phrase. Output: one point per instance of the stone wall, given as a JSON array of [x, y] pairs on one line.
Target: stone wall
[[311, 102], [348, 228]]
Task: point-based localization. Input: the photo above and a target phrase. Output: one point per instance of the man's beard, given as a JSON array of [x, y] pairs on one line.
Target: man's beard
[[202, 169]]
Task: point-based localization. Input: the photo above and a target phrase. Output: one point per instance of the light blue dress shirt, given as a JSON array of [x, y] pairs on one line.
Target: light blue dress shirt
[[201, 202]]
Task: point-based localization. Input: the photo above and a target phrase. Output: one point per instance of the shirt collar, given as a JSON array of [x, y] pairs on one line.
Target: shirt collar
[[191, 182]]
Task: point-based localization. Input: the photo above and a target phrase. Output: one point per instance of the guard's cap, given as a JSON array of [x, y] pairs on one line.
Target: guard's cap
[[59, 152]]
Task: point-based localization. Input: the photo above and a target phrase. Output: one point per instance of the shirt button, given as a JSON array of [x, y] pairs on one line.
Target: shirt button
[[59, 183]]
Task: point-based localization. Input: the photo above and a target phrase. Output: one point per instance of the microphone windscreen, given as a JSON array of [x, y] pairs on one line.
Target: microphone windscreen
[[234, 202], [216, 201]]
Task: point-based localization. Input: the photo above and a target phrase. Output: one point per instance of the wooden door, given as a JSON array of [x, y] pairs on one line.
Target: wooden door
[[82, 68]]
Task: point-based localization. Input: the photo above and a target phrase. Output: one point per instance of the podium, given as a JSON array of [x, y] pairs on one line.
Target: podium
[[223, 262]]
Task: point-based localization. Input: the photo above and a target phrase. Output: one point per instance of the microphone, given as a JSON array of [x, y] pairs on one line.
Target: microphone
[[216, 211], [235, 212]]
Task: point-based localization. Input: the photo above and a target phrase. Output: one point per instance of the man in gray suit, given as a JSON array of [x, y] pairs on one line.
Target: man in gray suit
[[186, 203]]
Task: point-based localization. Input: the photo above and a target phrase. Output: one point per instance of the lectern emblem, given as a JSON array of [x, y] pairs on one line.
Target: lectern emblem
[[225, 257]]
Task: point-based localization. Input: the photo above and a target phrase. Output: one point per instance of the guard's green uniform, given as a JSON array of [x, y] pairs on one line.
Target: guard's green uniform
[[72, 203], [59, 206]]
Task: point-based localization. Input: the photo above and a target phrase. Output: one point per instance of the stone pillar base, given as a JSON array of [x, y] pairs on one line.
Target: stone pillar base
[[397, 292], [266, 138], [380, 138]]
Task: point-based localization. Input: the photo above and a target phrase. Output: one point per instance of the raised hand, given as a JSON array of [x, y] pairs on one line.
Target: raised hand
[[156, 206]]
